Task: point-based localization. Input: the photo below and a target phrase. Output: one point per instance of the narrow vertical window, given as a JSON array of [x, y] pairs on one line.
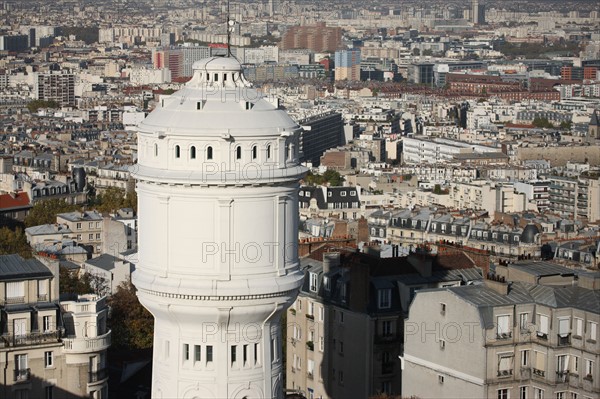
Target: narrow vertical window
[[254, 152], [238, 153], [186, 352], [209, 353], [269, 151], [193, 152], [177, 151], [209, 153], [155, 150], [197, 353]]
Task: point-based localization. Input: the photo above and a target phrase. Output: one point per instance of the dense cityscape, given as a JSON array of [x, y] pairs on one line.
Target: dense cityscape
[[299, 199]]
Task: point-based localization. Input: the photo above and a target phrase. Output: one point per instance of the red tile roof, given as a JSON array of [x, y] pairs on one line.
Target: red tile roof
[[12, 201]]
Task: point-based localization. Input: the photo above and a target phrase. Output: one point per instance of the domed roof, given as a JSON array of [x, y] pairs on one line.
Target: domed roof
[[529, 233], [218, 100]]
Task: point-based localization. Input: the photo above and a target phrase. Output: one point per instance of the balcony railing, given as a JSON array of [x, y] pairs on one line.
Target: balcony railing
[[505, 373], [564, 340], [22, 375], [96, 376], [83, 345], [34, 338], [506, 335], [539, 373], [42, 297], [562, 376], [14, 300]]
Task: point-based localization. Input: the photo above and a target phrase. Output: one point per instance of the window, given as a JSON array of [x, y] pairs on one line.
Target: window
[[269, 151], [575, 368], [440, 379], [233, 354], [505, 364], [593, 329], [238, 153], [503, 393], [186, 352], [177, 151], [341, 347], [197, 353], [20, 327], [540, 362], [384, 298], [166, 349], [313, 282], [78, 226], [47, 323], [442, 344], [192, 152], [97, 236], [321, 344], [327, 283], [321, 313], [538, 393], [523, 321], [91, 237], [589, 367], [15, 292], [522, 392], [209, 353], [442, 308], [525, 358], [245, 355], [386, 328], [256, 354], [502, 326], [48, 359], [579, 327], [209, 153], [21, 372], [49, 392], [155, 150], [542, 326], [341, 317], [341, 377], [311, 308], [254, 152]]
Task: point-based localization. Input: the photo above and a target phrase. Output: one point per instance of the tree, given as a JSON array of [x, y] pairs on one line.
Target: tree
[[69, 283], [110, 200], [14, 242], [35, 105], [131, 324], [565, 125], [542, 122], [44, 212], [333, 177]]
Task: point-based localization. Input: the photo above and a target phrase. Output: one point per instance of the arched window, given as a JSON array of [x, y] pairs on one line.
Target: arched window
[[253, 152], [155, 150], [209, 153], [269, 151], [193, 152], [238, 153], [177, 151]]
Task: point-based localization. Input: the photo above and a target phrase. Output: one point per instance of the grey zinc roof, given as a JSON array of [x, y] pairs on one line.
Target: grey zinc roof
[[44, 229], [14, 267], [521, 293], [541, 268], [104, 261]]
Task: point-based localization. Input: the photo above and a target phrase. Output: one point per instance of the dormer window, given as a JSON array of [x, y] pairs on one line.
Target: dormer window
[[343, 193], [313, 282], [384, 298]]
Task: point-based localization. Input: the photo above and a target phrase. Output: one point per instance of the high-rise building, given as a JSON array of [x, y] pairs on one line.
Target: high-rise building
[[217, 182], [478, 12], [173, 59], [347, 64], [320, 132], [56, 86], [317, 38]]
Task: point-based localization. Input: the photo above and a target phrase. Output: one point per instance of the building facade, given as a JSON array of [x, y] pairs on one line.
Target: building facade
[[49, 349]]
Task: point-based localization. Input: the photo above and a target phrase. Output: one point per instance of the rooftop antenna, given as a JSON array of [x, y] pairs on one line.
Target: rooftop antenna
[[230, 24]]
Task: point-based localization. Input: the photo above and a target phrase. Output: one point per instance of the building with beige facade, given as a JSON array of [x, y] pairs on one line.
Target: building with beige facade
[[506, 339], [49, 349]]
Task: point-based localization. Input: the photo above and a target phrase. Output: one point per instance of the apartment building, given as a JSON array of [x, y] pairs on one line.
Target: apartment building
[[86, 227], [345, 328], [423, 150], [506, 339], [49, 349], [577, 197]]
